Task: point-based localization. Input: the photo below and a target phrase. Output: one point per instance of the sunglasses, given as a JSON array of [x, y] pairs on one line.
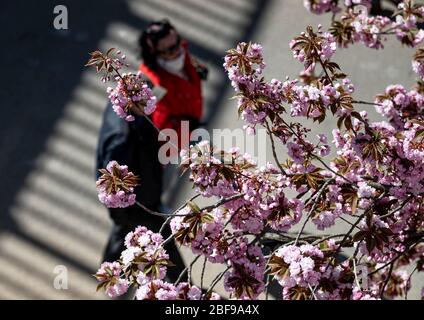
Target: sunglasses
[[172, 49]]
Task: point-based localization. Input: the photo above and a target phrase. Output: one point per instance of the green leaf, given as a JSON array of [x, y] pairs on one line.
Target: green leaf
[[110, 51], [207, 218], [193, 207], [102, 285]]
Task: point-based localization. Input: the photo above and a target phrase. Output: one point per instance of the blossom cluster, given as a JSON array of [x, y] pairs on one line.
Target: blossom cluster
[[303, 267], [131, 92], [244, 65], [394, 158], [405, 26], [323, 6], [109, 276], [369, 29], [305, 272], [418, 63], [259, 195], [389, 152], [144, 255], [146, 261], [116, 185], [143, 265], [160, 290], [320, 6], [368, 177], [312, 101], [357, 25], [310, 97], [220, 245], [322, 47], [400, 105]]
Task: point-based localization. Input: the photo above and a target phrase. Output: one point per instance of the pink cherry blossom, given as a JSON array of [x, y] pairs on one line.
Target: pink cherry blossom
[[116, 185]]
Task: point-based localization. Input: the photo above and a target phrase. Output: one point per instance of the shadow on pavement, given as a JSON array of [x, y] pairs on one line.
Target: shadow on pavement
[[41, 69]]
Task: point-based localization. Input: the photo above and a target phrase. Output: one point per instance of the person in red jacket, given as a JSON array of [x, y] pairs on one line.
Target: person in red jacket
[[168, 65]]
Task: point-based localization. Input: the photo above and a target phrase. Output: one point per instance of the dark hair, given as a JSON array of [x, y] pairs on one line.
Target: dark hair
[[155, 31]]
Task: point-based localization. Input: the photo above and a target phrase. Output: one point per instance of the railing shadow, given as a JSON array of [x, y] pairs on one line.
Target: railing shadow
[[43, 68]]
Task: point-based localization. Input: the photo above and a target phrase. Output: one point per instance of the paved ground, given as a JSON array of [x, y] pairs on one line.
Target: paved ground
[[52, 108]]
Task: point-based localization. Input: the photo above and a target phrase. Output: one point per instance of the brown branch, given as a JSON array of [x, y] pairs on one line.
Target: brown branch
[[216, 280], [324, 186], [387, 281], [366, 102], [186, 269], [274, 153], [394, 259], [203, 273], [222, 201]]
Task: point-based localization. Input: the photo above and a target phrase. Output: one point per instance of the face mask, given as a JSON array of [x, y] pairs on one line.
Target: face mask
[[175, 65]]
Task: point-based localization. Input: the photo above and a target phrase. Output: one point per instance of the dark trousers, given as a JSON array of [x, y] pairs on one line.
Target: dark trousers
[[126, 220]]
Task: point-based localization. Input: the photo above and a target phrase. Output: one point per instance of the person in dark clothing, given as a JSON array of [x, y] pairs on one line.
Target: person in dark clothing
[[136, 145]]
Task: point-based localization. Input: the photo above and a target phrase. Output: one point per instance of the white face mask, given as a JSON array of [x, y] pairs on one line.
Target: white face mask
[[175, 65]]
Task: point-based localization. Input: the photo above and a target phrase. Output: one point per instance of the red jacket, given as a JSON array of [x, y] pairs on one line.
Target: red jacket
[[183, 100]]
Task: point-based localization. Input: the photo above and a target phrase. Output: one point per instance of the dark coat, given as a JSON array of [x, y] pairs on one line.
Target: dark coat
[[136, 145]]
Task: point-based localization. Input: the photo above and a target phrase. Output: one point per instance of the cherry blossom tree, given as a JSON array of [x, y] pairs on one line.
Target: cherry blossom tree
[[374, 185]]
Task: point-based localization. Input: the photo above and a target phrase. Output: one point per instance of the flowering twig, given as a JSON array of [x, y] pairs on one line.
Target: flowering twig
[[389, 275], [203, 272], [216, 280], [274, 153], [324, 186]]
